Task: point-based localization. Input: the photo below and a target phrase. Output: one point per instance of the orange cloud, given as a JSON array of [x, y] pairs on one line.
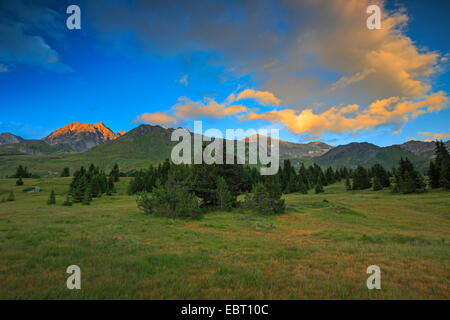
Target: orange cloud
[[159, 118], [434, 136], [392, 110], [264, 98], [186, 108]]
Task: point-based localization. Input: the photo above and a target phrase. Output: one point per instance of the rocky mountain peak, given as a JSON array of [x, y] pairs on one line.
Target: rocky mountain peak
[[81, 136]]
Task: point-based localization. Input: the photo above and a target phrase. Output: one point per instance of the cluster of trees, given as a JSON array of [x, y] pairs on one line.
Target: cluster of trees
[[91, 183], [22, 172], [439, 171], [312, 177], [376, 177], [407, 179], [65, 173]]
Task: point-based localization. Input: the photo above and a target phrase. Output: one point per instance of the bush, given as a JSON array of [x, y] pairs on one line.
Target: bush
[[19, 182], [173, 199], [11, 197], [266, 198]]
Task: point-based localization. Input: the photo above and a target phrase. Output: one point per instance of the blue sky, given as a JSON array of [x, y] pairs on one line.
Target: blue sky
[[184, 61]]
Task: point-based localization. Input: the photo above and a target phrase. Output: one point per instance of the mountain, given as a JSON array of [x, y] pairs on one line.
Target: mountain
[[366, 154], [290, 150], [147, 144], [31, 147], [9, 138], [80, 137], [421, 148]]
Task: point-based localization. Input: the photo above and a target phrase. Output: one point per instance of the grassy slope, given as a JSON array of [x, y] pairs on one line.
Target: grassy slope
[[130, 152], [389, 157], [317, 250]]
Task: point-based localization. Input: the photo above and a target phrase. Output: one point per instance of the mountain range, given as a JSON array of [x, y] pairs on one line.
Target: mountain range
[[80, 144]]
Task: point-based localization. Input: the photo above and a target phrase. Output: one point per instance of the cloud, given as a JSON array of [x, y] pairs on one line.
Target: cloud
[[25, 29], [432, 136], [3, 68], [316, 58], [391, 111], [301, 51], [185, 108], [264, 98], [188, 109], [157, 118], [184, 80]]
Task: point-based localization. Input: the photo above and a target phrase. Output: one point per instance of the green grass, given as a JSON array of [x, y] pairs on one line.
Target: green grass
[[317, 250]]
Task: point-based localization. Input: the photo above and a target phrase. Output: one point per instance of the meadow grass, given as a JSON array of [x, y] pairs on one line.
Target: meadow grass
[[319, 249]]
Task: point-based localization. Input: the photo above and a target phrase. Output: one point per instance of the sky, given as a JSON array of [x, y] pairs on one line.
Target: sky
[[309, 68]]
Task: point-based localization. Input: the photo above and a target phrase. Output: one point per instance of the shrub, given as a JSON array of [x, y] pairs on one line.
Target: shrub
[[266, 197], [11, 197], [19, 182], [173, 199]]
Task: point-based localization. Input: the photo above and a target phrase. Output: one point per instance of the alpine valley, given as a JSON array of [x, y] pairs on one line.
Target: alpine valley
[[78, 144]]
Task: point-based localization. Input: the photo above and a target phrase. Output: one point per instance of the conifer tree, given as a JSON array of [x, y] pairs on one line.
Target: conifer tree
[[224, 198], [19, 182], [303, 188], [348, 185], [376, 184], [115, 173], [52, 199], [433, 175], [87, 197], [67, 202], [361, 179], [319, 186]]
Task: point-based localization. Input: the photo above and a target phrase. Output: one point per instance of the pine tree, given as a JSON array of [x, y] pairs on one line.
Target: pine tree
[[361, 179], [348, 185], [273, 189], [87, 197], [407, 183], [376, 184], [224, 198], [444, 180], [115, 173], [19, 182], [52, 199], [319, 187], [67, 202], [303, 188], [433, 174], [378, 171]]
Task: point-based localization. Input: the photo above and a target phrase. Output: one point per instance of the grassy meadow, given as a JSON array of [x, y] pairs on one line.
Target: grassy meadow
[[319, 249]]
